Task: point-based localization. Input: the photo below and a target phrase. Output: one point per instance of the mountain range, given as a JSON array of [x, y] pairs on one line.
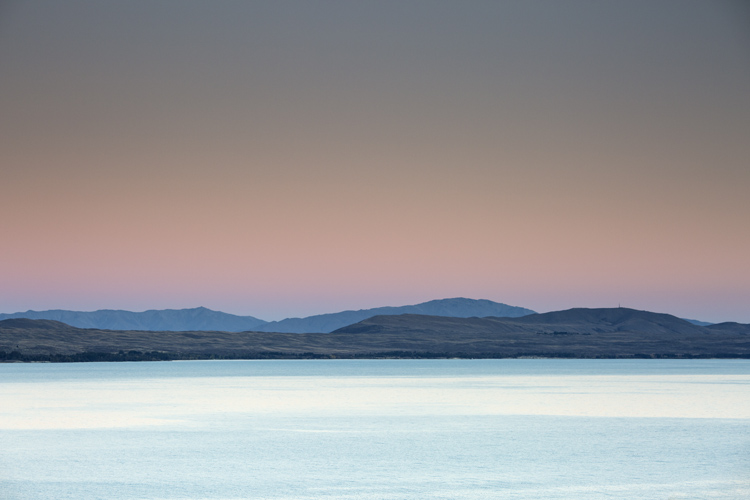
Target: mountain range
[[172, 320], [574, 333], [203, 319], [454, 308], [577, 321]]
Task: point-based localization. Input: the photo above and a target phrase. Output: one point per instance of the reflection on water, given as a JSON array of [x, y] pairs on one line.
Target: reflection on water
[[516, 429]]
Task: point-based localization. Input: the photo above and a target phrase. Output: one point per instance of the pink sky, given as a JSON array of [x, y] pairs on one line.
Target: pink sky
[[310, 167]]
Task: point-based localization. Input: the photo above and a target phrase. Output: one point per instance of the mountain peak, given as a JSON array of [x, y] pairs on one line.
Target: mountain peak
[[203, 318], [197, 318], [458, 307]]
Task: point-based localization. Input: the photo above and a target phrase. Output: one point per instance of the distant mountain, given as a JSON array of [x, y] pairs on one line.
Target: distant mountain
[[620, 319], [202, 319], [619, 332], [455, 308], [697, 322], [198, 318], [575, 333], [730, 327], [35, 324], [578, 321]]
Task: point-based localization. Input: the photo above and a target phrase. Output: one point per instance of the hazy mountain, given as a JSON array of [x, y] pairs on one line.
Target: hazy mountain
[[588, 333], [730, 326], [457, 308], [579, 321], [698, 322], [35, 324], [202, 319], [198, 318], [620, 319]]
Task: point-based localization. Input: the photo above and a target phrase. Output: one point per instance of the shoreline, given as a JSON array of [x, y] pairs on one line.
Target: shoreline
[[137, 356]]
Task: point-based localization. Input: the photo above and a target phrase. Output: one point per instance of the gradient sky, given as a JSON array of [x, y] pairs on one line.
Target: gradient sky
[[291, 158]]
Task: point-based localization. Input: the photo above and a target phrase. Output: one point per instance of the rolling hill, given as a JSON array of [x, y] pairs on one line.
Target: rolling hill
[[584, 333], [203, 319], [456, 308], [199, 318]]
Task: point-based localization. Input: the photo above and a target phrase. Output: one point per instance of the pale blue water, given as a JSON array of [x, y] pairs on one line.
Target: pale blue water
[[376, 429]]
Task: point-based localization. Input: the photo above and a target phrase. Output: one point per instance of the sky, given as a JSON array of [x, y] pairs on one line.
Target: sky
[[291, 158]]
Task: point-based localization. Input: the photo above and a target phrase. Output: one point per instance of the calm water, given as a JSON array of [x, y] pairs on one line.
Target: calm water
[[376, 429]]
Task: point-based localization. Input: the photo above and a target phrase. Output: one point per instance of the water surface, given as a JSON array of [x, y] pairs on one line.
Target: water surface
[[379, 429]]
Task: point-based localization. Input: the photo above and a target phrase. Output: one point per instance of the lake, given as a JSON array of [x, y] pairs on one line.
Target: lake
[[376, 429]]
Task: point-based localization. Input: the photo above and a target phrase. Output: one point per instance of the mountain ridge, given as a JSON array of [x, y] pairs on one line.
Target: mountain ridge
[[576, 320], [204, 319], [197, 318], [458, 307], [575, 333]]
